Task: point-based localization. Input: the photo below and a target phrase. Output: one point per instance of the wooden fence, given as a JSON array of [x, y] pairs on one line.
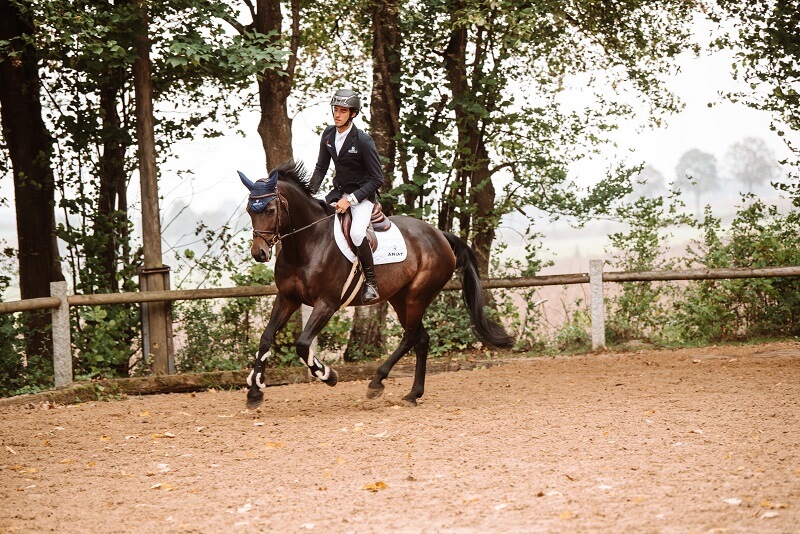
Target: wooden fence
[[59, 302]]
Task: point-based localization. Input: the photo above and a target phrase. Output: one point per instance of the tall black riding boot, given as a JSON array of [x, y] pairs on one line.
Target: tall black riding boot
[[369, 293]]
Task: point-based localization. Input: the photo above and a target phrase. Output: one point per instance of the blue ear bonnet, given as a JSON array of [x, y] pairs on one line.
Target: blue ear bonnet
[[262, 192]]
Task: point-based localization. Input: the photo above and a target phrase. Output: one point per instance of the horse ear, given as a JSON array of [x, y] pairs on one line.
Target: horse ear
[[246, 181]]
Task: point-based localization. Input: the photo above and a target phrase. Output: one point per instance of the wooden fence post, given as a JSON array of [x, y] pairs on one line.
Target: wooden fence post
[[597, 304], [62, 341]]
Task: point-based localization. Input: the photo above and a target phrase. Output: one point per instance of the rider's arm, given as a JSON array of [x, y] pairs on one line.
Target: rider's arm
[[372, 162]]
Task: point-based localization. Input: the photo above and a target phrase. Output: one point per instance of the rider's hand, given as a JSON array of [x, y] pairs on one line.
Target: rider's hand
[[342, 205]]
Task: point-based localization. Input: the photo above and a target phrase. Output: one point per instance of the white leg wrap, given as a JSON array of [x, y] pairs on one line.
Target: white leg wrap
[[264, 357], [259, 381], [324, 373], [250, 378]]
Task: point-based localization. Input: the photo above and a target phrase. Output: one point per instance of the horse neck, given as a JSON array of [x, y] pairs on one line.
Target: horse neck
[[304, 210]]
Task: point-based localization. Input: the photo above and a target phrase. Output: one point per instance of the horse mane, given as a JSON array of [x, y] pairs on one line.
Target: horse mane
[[296, 173]]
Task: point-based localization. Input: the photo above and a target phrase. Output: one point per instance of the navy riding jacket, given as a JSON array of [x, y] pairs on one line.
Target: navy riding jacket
[[358, 166]]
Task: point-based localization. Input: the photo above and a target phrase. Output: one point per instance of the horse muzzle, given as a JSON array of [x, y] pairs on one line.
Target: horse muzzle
[[261, 254]]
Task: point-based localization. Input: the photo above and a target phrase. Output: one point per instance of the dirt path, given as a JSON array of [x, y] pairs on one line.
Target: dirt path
[[685, 441]]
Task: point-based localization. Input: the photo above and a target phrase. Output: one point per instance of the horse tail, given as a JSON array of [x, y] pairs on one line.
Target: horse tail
[[487, 330]]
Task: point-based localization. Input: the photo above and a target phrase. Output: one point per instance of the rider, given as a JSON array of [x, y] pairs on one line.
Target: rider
[[357, 179]]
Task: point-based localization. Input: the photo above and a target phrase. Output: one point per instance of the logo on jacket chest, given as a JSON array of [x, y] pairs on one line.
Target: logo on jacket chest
[[352, 150]]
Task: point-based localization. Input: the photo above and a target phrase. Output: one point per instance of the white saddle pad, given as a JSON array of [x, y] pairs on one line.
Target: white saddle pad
[[391, 245]]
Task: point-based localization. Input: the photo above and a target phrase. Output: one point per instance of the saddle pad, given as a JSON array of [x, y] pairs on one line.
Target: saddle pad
[[391, 245]]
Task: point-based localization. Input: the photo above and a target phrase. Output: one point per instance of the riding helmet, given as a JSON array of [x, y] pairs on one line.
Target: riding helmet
[[347, 98]]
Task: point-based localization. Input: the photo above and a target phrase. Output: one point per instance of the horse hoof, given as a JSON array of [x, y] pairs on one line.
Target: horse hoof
[[374, 392], [333, 378], [254, 400], [408, 402]]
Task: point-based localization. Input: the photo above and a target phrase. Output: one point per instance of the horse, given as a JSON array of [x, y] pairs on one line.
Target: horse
[[310, 269]]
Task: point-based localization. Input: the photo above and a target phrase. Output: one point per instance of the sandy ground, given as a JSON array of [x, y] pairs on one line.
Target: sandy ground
[[671, 441]]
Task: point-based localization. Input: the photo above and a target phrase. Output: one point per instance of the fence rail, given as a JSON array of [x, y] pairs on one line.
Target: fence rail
[[59, 303]]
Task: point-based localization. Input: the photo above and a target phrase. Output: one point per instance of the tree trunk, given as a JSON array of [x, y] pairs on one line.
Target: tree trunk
[[30, 148], [274, 87], [482, 198], [367, 337], [472, 195], [110, 218]]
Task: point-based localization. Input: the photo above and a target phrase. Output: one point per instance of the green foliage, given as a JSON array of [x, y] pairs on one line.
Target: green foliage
[[222, 335], [721, 310], [103, 339], [708, 311], [466, 128], [765, 39], [575, 334], [18, 374], [447, 322], [638, 311]]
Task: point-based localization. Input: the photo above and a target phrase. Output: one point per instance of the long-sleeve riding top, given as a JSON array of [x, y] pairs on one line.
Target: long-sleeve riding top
[[358, 166]]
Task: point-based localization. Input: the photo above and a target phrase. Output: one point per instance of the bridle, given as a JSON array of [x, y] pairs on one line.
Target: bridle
[[273, 237]]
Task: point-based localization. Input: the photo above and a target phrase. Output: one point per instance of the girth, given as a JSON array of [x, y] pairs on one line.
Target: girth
[[377, 223]]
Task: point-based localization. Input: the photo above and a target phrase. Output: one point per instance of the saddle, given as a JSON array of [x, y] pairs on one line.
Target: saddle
[[377, 223]]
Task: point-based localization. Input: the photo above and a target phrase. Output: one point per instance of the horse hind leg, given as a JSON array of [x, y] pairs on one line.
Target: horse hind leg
[[421, 350], [376, 387]]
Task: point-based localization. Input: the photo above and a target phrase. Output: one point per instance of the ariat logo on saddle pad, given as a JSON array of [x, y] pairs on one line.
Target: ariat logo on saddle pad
[[391, 245]]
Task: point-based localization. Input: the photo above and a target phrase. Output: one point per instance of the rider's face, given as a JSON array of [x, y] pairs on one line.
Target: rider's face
[[341, 115]]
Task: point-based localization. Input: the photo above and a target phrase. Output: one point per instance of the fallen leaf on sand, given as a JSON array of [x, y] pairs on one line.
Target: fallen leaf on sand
[[376, 486]]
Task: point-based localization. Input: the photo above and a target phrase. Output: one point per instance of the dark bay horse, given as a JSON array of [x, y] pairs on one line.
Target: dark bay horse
[[310, 269]]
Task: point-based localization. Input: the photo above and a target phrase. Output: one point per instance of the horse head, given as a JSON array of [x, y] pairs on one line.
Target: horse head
[[264, 205]]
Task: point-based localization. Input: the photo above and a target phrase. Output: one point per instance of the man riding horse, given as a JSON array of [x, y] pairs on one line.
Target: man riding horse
[[357, 180]]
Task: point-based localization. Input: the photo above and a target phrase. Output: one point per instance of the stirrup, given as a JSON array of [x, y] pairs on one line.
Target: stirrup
[[369, 294]]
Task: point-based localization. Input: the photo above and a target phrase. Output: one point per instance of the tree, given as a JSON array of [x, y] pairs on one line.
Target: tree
[[89, 51], [696, 171], [767, 46], [486, 123], [367, 335], [751, 162], [30, 148], [649, 183]]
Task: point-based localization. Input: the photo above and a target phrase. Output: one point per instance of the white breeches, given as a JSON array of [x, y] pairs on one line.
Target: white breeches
[[361, 216]]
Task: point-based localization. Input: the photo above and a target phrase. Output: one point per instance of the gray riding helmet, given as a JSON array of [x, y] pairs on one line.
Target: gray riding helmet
[[347, 98]]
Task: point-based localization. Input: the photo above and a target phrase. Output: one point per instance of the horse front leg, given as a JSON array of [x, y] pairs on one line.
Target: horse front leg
[[319, 317], [281, 312]]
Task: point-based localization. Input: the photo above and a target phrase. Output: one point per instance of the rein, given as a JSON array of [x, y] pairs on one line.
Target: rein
[[272, 237]]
